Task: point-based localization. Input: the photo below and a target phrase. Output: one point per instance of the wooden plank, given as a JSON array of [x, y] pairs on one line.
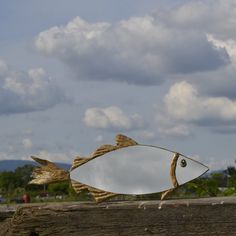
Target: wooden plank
[[6, 211], [209, 216]]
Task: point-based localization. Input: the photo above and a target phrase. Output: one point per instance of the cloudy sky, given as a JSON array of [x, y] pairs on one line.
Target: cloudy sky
[[75, 73]]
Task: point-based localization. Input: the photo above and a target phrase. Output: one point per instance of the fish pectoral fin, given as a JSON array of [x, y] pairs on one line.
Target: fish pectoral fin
[[124, 141], [100, 195], [78, 161], [78, 187], [165, 193], [103, 150]]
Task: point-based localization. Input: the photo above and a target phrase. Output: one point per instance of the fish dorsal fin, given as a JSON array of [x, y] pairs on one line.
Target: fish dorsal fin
[[124, 141], [102, 150], [121, 141], [78, 161]]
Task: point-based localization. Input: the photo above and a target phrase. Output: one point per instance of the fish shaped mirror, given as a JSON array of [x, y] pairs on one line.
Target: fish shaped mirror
[[124, 168]]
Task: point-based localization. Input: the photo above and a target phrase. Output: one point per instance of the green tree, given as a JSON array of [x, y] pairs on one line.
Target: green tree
[[11, 182], [203, 187], [7, 181], [231, 171], [23, 175], [59, 188]]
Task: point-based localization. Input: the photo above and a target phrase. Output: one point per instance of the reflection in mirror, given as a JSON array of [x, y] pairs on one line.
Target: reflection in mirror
[[136, 169], [124, 168]]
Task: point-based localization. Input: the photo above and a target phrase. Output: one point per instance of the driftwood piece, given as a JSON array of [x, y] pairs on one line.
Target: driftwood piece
[[209, 216]]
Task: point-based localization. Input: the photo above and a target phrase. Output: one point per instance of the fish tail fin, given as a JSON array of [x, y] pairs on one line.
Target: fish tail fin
[[47, 173]]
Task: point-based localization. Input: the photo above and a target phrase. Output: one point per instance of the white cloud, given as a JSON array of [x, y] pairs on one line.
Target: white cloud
[[5, 156], [99, 139], [147, 134], [55, 157], [20, 86], [26, 91], [229, 45], [174, 130], [215, 163], [3, 68], [111, 118], [183, 103], [216, 17], [27, 143], [141, 50], [43, 154], [194, 41]]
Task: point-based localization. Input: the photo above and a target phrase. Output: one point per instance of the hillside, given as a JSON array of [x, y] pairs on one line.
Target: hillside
[[11, 165]]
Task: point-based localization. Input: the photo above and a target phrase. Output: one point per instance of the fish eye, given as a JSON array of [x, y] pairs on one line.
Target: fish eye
[[183, 163]]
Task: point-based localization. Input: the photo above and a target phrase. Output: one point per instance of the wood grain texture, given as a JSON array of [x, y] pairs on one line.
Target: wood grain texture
[[50, 173], [78, 161], [172, 176], [124, 141], [121, 142], [211, 216], [105, 148], [98, 195], [47, 173], [173, 169]]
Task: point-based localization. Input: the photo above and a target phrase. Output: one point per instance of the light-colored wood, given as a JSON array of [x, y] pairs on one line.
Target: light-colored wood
[[43, 162], [166, 193], [121, 141], [202, 217], [78, 161], [103, 150], [78, 187], [47, 173], [173, 169], [50, 173], [98, 195], [124, 141], [172, 176]]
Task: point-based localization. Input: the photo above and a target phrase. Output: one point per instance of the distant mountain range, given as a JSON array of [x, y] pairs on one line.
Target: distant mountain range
[[11, 165]]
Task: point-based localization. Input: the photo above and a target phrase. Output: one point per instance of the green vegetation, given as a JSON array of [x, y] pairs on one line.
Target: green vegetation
[[216, 184], [13, 185]]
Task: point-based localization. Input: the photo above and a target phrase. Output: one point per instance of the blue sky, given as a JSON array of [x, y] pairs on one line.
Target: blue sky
[[73, 74]]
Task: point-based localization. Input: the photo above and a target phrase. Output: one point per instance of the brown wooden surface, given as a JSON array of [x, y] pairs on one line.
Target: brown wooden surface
[[209, 216]]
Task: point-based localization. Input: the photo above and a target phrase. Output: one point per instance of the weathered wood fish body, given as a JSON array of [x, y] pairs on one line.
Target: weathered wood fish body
[[124, 168], [137, 169]]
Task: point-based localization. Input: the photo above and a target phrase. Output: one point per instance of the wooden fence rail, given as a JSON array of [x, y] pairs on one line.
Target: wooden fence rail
[[208, 216]]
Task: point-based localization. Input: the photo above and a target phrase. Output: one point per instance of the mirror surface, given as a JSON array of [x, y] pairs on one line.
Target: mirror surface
[[136, 169], [190, 170], [132, 170]]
